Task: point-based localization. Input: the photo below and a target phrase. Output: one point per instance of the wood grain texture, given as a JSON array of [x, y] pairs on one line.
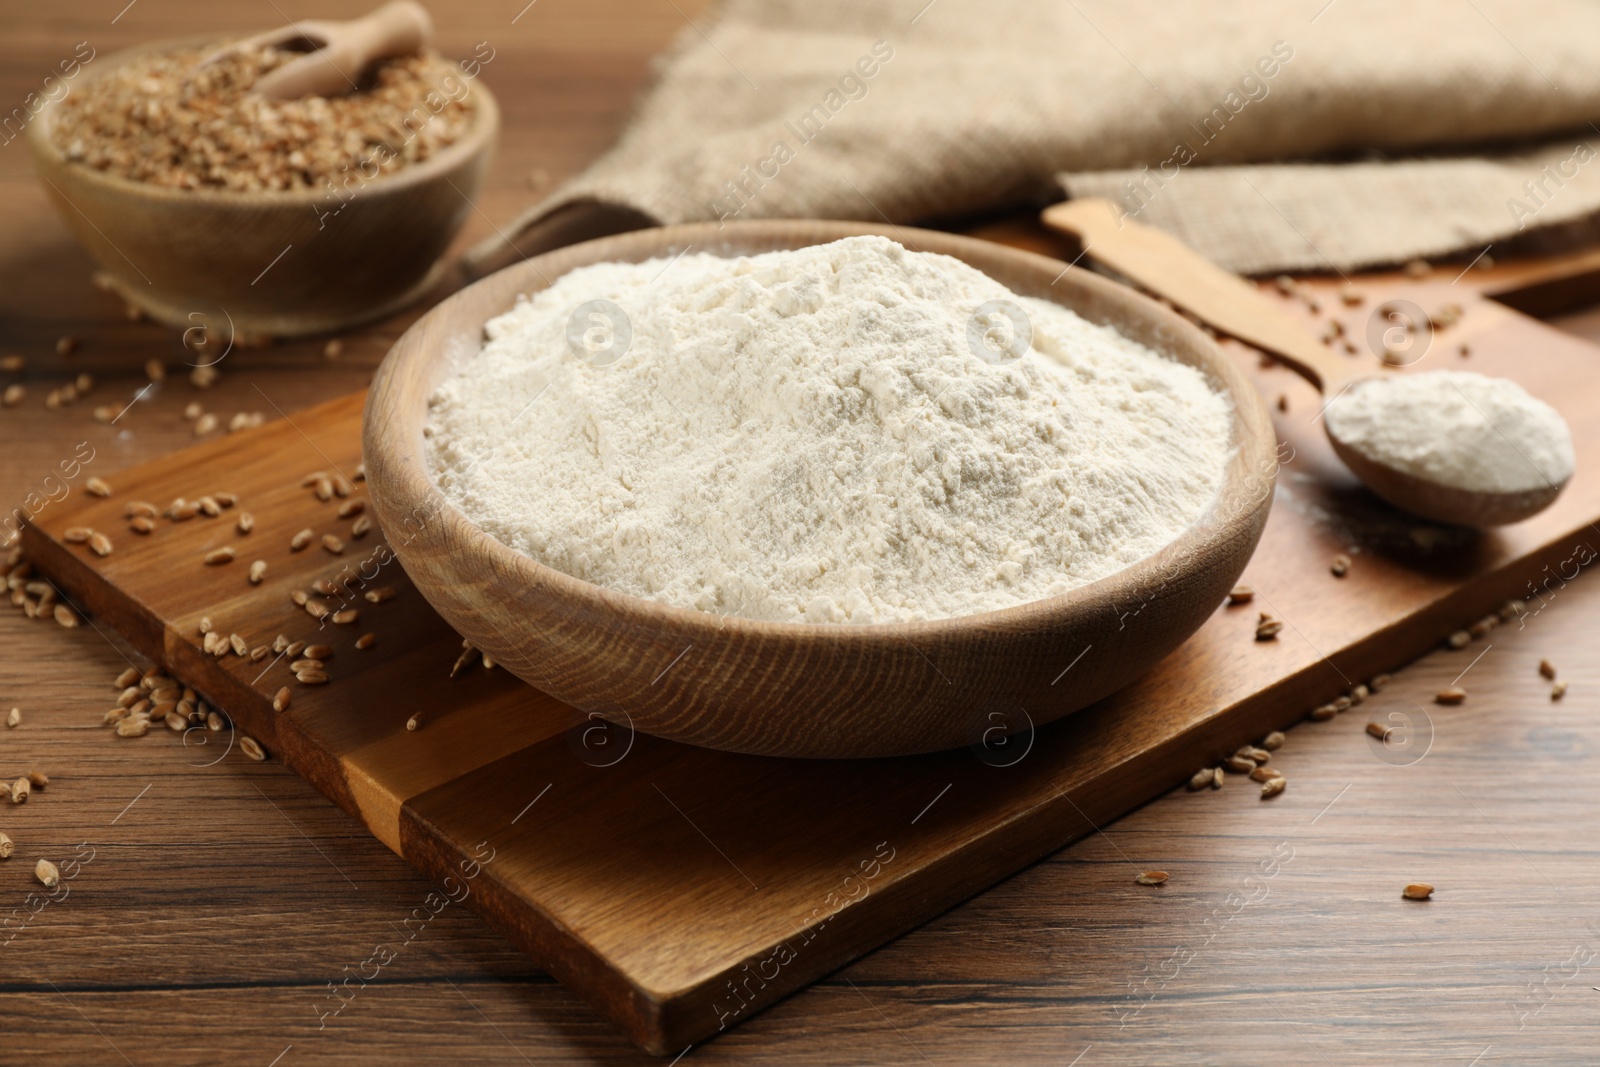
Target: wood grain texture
[[796, 689], [623, 881], [223, 901]]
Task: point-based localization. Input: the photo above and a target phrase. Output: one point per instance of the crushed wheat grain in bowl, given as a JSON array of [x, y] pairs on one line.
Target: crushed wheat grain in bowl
[[199, 197], [814, 489]]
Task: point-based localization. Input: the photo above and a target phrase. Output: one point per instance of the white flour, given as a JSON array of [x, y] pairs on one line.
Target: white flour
[[809, 436], [1456, 428]]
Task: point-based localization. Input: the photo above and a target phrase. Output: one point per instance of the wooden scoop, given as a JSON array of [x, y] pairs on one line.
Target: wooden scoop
[[336, 52], [1167, 267]]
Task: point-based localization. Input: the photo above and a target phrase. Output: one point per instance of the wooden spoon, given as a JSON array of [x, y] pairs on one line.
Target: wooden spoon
[[337, 52], [1167, 267]]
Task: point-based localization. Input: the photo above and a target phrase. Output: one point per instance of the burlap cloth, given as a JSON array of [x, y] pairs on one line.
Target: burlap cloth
[[1269, 135]]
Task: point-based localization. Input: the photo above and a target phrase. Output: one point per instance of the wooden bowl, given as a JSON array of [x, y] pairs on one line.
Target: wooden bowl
[[794, 689], [277, 263]]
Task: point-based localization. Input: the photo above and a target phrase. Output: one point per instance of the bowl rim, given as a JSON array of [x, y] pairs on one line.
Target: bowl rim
[[37, 136], [1254, 446]]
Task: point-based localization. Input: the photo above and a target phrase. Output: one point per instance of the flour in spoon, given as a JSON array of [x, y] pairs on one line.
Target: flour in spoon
[[1456, 428], [826, 435]]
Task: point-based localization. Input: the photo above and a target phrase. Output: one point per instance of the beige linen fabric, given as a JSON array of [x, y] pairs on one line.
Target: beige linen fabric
[[1194, 114]]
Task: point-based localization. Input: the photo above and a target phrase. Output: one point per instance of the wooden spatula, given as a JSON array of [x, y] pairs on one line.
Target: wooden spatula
[[1169, 268], [336, 52]]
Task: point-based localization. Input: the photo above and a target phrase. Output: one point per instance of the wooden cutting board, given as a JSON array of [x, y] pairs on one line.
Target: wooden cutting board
[[681, 890]]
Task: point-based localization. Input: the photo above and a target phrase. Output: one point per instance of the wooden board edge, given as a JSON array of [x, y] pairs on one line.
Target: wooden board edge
[[664, 1022], [249, 709], [587, 973]]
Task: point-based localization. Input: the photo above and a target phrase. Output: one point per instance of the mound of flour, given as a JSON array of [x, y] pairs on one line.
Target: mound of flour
[[1456, 428], [824, 435]]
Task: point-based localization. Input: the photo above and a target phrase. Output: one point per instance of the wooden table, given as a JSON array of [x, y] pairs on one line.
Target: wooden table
[[221, 901]]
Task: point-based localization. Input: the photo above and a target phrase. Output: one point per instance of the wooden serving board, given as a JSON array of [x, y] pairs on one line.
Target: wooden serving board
[[681, 890]]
